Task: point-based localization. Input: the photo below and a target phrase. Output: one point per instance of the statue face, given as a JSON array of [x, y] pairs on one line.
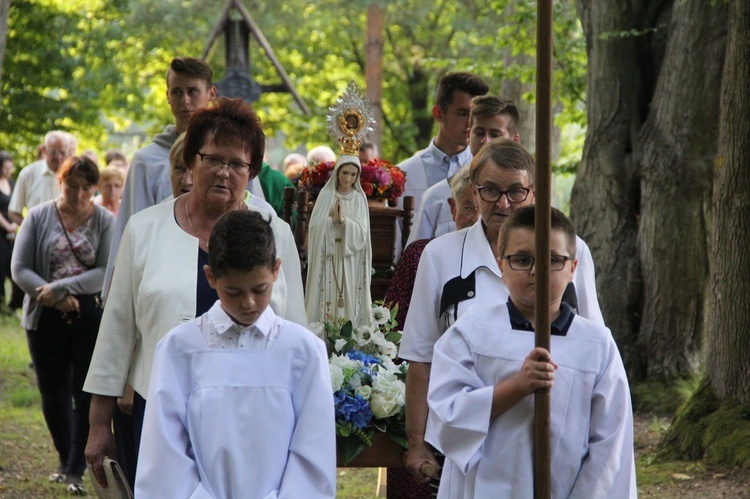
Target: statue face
[[346, 177]]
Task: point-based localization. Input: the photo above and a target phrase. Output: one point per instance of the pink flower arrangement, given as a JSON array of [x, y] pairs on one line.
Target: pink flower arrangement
[[379, 179]]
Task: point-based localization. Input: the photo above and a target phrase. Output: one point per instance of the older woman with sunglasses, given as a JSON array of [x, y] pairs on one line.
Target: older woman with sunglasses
[[158, 281]]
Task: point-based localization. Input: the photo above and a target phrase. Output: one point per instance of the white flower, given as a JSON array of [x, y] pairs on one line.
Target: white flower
[[378, 338], [355, 382], [387, 364], [388, 395], [337, 377], [390, 349], [364, 391], [340, 344], [364, 335], [342, 362], [380, 315]]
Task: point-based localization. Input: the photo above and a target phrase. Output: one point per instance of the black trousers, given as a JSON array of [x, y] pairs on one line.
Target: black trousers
[[61, 350], [128, 437]]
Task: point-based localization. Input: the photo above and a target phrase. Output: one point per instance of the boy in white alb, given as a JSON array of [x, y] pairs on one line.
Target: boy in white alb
[[240, 401], [481, 414]]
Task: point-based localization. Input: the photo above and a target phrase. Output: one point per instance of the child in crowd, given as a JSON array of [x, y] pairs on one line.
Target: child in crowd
[[240, 401], [481, 414]]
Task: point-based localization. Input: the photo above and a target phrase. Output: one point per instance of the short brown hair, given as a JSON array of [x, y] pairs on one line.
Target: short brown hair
[[484, 106], [79, 166], [505, 153], [114, 155], [458, 82], [525, 218], [190, 66], [229, 122]]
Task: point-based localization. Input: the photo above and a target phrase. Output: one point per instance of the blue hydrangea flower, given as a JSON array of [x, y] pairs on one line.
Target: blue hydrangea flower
[[366, 358], [352, 408]]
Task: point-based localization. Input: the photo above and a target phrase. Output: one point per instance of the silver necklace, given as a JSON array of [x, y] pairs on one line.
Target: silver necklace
[[190, 223]]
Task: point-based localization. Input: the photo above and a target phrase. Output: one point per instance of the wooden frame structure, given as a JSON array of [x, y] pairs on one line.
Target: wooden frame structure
[[236, 22]]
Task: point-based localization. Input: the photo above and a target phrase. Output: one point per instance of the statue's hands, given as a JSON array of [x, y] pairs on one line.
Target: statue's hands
[[336, 213]]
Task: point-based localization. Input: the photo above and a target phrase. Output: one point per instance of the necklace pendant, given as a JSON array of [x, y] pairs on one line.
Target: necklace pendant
[[341, 302]]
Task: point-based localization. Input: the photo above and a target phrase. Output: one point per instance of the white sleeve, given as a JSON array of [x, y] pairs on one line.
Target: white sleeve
[[286, 249], [608, 469], [18, 197], [118, 332], [460, 403], [311, 465], [424, 223], [422, 327], [166, 466], [585, 284]]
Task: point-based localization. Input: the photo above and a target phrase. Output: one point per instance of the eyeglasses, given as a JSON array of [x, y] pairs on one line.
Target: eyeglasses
[[492, 194], [526, 262], [216, 163]]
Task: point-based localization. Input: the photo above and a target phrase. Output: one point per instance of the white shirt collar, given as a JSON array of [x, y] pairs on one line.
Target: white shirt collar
[[462, 158], [477, 251], [223, 323]]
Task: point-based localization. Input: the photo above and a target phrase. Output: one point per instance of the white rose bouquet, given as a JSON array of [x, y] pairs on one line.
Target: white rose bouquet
[[369, 388]]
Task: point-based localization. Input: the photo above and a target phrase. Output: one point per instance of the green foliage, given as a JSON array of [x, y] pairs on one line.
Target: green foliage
[[97, 68], [685, 436], [709, 429], [661, 398]]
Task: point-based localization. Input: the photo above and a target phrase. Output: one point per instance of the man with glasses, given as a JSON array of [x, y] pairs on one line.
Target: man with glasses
[[37, 182], [459, 270]]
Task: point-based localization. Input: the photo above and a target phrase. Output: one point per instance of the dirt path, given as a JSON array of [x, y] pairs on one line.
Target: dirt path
[[684, 480]]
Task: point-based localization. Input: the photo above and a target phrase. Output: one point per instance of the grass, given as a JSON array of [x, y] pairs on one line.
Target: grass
[[27, 455]]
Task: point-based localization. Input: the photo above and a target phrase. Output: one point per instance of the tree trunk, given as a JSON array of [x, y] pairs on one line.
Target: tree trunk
[[421, 101], [374, 68], [728, 340], [604, 202], [642, 190], [679, 140]]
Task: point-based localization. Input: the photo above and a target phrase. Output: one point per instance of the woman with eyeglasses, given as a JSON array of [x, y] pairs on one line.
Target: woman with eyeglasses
[[59, 260], [159, 282]]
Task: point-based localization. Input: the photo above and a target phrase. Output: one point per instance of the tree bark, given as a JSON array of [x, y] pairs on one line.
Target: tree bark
[[374, 68], [641, 198], [604, 202], [728, 340], [679, 140]]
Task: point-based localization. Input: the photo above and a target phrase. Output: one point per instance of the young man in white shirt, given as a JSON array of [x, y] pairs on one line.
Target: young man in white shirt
[[448, 150], [491, 117], [240, 400]]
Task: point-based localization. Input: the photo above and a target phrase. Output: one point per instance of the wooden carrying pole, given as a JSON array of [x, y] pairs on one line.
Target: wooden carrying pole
[[542, 461]]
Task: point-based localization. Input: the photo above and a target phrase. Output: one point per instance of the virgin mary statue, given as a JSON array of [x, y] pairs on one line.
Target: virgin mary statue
[[338, 242]]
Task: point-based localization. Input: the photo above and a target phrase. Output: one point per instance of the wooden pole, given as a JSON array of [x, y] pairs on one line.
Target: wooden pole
[[542, 461], [374, 68]]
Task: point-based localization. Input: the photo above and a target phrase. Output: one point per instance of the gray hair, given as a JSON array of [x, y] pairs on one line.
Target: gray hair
[[460, 182]]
